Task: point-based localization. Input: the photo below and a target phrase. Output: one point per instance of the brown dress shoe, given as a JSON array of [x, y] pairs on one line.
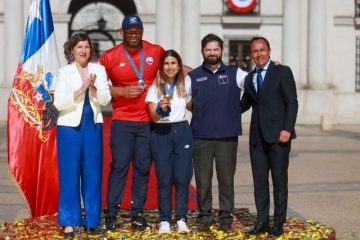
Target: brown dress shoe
[[203, 227], [226, 227]]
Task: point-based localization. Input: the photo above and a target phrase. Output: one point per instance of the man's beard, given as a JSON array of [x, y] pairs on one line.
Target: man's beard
[[212, 60]]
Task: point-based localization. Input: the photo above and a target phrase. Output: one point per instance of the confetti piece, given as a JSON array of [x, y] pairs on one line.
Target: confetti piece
[[46, 228]]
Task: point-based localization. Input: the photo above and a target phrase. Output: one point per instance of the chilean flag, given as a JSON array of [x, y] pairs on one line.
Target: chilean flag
[[32, 153]]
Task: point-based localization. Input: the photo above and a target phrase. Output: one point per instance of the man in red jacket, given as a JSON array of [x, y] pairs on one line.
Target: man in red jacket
[[131, 66]]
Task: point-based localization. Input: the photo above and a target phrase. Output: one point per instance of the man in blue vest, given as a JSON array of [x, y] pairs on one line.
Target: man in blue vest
[[213, 96]]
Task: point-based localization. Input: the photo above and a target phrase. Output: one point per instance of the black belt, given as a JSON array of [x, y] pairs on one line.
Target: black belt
[[168, 124], [171, 123]]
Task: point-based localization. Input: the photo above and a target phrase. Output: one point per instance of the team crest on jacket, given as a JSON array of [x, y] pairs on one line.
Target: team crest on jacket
[[223, 79], [149, 60]]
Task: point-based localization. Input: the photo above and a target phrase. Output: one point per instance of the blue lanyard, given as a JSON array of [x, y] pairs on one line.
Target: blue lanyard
[[138, 73], [169, 89]]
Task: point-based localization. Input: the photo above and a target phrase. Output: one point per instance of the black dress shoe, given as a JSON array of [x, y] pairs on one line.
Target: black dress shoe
[[277, 230], [69, 235], [260, 227]]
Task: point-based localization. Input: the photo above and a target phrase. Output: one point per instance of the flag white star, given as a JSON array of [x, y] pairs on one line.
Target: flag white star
[[34, 11], [39, 96]]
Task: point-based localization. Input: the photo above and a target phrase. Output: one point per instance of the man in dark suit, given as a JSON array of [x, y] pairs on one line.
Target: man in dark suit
[[271, 92]]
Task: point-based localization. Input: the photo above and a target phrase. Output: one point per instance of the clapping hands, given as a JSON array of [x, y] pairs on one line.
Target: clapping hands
[[89, 82]]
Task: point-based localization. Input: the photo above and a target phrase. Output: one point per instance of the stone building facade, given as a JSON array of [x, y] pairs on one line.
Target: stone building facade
[[318, 39]]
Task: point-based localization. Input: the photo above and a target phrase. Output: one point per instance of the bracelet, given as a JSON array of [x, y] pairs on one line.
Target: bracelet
[[161, 112]]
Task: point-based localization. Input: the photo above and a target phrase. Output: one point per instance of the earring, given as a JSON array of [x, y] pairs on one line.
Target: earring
[[71, 56]]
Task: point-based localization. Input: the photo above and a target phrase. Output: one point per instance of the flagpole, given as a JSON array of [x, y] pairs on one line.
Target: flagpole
[[32, 117]]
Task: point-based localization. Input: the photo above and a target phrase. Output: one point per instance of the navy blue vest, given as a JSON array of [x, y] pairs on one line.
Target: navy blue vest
[[216, 102]]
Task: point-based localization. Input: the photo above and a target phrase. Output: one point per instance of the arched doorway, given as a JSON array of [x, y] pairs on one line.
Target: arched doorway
[[100, 19]]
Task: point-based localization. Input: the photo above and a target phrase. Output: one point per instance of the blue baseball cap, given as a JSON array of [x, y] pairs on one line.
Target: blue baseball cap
[[132, 21]]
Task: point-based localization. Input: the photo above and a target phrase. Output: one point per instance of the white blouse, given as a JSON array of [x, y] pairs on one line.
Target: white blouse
[[177, 105]]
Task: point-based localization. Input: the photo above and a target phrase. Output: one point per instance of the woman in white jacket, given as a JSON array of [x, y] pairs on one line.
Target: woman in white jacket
[[81, 88]]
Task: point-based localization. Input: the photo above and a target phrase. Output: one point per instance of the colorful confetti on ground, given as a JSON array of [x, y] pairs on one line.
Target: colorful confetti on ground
[[44, 228]]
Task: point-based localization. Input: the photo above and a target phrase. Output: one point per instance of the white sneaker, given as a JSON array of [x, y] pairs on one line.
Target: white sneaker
[[164, 227], [181, 226]]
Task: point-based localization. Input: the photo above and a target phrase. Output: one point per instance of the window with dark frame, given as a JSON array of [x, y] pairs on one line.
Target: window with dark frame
[[101, 22], [239, 54]]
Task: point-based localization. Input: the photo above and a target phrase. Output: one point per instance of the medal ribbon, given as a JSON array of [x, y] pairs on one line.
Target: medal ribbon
[[138, 73]]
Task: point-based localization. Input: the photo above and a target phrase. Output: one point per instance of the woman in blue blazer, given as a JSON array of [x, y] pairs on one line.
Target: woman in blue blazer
[[81, 88]]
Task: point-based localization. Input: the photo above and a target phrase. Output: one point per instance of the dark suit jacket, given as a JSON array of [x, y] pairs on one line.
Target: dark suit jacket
[[276, 107]]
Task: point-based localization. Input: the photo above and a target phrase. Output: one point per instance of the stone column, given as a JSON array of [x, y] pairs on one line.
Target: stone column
[[61, 26], [291, 38], [14, 35], [191, 32], [165, 23], [317, 44], [318, 100]]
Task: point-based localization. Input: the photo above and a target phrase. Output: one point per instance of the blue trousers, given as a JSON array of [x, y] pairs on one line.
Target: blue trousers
[[129, 141], [171, 147], [80, 153]]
